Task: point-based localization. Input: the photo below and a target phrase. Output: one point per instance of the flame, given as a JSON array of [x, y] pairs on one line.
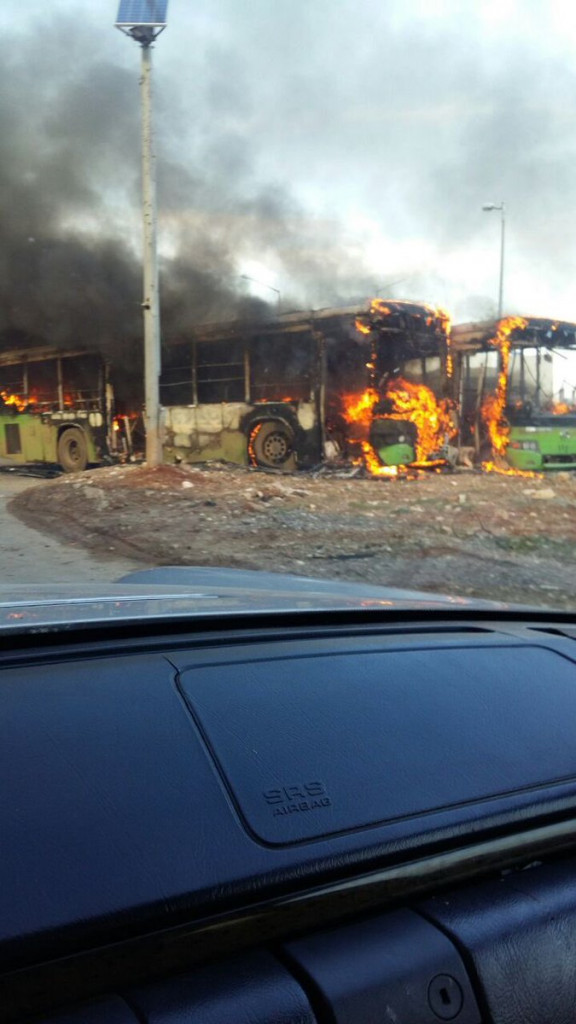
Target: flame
[[21, 403], [16, 400], [252, 439], [493, 407], [561, 408], [415, 403], [378, 306], [431, 417], [446, 324], [358, 408], [491, 467], [277, 401], [436, 464], [373, 464], [445, 319], [361, 327]]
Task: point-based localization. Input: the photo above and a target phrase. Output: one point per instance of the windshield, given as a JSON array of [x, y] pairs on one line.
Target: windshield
[[288, 287]]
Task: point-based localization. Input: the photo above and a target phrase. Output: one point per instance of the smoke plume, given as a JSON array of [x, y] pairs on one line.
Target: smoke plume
[[341, 146], [70, 256]]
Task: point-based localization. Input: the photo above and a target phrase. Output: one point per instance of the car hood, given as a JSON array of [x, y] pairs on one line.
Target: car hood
[[195, 592]]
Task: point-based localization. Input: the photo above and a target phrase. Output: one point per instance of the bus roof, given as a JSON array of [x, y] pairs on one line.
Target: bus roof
[[538, 333], [301, 321], [43, 353]]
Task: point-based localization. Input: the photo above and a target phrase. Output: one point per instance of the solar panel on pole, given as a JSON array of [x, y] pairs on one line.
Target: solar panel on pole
[[133, 13]]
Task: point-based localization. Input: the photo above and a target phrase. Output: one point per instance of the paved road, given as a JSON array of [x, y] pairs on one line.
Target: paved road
[[28, 556]]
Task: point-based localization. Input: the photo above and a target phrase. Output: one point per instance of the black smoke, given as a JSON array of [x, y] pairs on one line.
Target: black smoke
[[70, 235], [282, 130]]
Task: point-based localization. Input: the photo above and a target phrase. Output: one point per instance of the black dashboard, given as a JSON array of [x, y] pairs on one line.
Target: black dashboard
[[296, 817]]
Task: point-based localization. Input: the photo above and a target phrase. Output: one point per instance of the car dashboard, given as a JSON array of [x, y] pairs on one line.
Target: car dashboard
[[303, 817]]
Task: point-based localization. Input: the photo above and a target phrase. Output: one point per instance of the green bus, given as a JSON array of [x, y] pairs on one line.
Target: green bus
[[58, 408], [541, 441], [537, 434]]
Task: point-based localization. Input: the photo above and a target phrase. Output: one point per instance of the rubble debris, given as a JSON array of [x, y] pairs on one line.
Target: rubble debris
[[480, 536], [541, 494], [43, 471]]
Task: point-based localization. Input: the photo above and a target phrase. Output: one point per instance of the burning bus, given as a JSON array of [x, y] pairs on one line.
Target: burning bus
[[366, 383], [503, 380], [58, 407], [386, 385]]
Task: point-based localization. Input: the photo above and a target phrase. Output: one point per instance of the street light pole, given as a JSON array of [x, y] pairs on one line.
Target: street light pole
[[246, 277], [143, 21], [151, 296], [501, 207]]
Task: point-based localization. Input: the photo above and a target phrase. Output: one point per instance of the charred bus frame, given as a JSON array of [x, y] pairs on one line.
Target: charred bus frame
[[270, 392]]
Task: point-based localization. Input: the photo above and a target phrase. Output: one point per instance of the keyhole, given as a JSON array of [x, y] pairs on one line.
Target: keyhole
[[445, 997]]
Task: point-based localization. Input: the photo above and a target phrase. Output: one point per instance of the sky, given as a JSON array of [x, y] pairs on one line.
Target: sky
[[330, 149]]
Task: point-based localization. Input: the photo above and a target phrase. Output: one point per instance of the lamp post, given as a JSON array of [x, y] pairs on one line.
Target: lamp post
[[143, 21], [246, 277], [488, 207]]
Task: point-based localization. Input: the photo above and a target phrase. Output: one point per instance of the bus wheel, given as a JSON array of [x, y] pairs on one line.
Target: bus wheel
[[271, 444], [72, 451]]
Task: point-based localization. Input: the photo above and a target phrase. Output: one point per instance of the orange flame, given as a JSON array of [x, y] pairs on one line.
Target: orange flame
[[561, 408], [379, 306], [415, 403], [445, 319], [446, 323], [251, 442], [493, 407], [16, 400], [21, 402], [283, 398], [361, 327], [491, 467], [431, 417], [358, 408], [373, 464]]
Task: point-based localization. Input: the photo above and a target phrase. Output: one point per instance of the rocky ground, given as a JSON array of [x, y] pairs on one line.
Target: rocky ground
[[465, 533]]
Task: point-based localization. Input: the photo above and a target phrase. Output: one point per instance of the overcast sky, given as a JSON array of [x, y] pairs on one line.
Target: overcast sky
[[328, 147]]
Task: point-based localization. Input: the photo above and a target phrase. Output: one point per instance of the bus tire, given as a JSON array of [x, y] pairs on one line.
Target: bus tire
[[72, 450], [271, 444]]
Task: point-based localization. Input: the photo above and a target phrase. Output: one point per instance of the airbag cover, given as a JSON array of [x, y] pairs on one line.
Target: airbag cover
[[314, 746]]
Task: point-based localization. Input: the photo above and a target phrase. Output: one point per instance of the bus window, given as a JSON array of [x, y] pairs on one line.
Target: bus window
[[220, 372], [282, 369], [427, 370], [177, 381], [81, 381], [43, 383]]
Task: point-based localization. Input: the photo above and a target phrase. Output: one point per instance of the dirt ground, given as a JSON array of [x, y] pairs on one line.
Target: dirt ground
[[29, 556], [464, 533]]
